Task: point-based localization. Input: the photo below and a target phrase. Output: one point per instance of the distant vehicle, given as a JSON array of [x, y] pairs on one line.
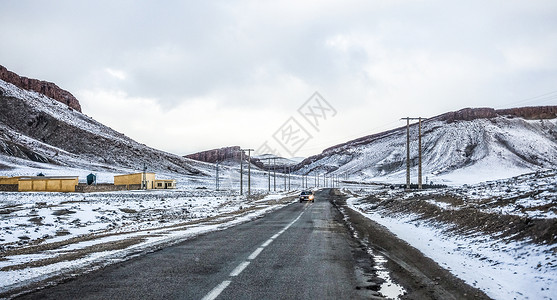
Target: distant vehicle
[[307, 196]]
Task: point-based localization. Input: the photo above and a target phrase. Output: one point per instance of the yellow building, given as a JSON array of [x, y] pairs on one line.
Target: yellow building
[[165, 184], [136, 181], [47, 184], [9, 180]]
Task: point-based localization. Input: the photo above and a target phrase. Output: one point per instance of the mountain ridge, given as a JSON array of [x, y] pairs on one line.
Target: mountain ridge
[[515, 140], [38, 129], [46, 88]]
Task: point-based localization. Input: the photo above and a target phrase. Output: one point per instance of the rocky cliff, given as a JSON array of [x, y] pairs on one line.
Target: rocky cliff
[[217, 155], [46, 88], [37, 128], [224, 154], [529, 113]]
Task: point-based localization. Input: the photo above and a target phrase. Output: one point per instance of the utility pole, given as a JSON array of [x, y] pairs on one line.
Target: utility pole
[[317, 179], [275, 174], [217, 171], [249, 169], [268, 167], [289, 170], [241, 172], [144, 181], [217, 177], [284, 175], [420, 153], [408, 151]]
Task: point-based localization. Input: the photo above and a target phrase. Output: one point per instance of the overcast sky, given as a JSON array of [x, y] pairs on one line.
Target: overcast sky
[[186, 76]]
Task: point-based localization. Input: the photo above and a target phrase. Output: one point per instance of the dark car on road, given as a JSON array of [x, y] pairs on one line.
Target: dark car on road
[[307, 196]]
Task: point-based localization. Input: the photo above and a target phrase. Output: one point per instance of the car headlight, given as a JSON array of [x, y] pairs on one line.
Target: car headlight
[[311, 197]]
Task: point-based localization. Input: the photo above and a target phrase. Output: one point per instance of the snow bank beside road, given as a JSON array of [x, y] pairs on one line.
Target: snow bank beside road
[[48, 234], [511, 270], [497, 236]]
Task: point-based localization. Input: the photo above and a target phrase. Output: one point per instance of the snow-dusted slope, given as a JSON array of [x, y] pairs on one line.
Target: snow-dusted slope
[[456, 152], [37, 129], [270, 160]]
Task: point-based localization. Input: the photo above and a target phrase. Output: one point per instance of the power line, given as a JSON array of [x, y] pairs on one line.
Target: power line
[[550, 96], [332, 142]]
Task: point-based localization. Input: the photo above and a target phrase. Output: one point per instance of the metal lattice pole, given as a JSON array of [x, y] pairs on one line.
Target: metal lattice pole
[[420, 153]]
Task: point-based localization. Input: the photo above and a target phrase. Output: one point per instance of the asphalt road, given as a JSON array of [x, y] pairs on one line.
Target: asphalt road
[[302, 251]]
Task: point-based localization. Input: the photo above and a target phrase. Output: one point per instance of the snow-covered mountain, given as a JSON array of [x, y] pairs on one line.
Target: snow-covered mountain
[[35, 129], [231, 156], [270, 160], [466, 146]]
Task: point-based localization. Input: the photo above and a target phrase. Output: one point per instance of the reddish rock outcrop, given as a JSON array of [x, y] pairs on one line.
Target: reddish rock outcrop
[[531, 113], [222, 154], [212, 156], [469, 114], [46, 88]]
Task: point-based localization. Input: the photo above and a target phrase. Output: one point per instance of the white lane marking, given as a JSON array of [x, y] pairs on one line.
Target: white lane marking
[[255, 253], [239, 269], [216, 291], [269, 241]]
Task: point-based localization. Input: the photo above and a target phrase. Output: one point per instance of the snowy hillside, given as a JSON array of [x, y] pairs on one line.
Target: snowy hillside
[[270, 160], [456, 152], [499, 236], [35, 129]]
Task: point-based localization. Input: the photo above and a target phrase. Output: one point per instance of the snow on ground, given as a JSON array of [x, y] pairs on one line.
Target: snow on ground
[[455, 153], [48, 234], [504, 268]]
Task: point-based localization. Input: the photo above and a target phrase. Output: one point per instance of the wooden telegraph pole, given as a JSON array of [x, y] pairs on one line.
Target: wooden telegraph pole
[[241, 172], [275, 174], [420, 153], [249, 169], [268, 168], [408, 151]]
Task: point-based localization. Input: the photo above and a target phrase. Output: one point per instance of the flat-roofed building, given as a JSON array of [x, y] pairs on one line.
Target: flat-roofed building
[[165, 184], [136, 181], [47, 184]]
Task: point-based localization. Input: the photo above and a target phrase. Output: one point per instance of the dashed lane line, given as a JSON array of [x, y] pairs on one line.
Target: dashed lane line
[[213, 294], [256, 253], [216, 291], [239, 269]]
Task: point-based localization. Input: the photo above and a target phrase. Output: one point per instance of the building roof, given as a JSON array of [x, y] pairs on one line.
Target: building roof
[[134, 174], [46, 177]]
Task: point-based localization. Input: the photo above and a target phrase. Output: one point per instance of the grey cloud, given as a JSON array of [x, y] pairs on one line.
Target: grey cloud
[[178, 50]]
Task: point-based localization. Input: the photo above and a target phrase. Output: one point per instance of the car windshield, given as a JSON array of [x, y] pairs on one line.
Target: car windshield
[[306, 193]]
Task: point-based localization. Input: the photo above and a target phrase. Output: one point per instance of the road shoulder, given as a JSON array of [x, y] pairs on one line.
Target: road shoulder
[[422, 277]]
